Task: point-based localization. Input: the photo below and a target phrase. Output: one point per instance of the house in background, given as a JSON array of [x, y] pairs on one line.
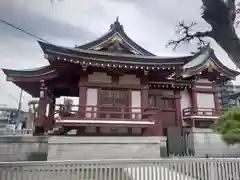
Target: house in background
[[225, 89], [228, 94], [11, 118], [236, 98]]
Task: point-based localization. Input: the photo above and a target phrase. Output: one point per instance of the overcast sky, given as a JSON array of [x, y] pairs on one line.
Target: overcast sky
[[74, 22]]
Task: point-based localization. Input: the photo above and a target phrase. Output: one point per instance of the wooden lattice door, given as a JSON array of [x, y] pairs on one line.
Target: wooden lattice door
[[168, 108], [113, 104]]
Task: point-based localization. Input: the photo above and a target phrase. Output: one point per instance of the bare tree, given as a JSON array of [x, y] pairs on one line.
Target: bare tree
[[221, 16]]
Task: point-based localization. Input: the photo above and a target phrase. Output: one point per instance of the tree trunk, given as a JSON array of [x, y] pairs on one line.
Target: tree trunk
[[221, 15], [227, 38]]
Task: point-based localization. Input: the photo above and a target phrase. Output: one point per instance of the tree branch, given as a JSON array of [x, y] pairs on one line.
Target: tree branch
[[185, 30]]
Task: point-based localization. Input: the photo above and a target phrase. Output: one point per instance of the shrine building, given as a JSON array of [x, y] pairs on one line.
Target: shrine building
[[123, 89]]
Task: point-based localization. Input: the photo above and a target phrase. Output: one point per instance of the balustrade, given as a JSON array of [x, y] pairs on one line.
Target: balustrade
[[104, 112], [187, 112], [159, 169]]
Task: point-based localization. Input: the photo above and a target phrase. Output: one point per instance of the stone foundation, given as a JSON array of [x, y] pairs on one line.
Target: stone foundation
[[77, 148], [23, 148], [32, 148], [207, 143]]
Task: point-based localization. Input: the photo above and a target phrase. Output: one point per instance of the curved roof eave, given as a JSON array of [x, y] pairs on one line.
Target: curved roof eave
[[199, 58], [199, 63], [223, 67], [101, 55], [33, 72]]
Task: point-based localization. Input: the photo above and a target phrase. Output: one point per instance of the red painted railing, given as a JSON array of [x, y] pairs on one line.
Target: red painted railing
[[104, 112], [200, 112]]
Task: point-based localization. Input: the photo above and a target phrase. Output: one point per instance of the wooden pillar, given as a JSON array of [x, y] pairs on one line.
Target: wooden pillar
[[194, 99], [178, 108], [194, 103], [216, 101], [41, 116], [144, 91], [157, 129], [144, 100], [51, 111], [82, 94]]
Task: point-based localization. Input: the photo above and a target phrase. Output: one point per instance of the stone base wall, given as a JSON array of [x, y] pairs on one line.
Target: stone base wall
[[31, 148], [205, 142], [23, 148], [77, 148]]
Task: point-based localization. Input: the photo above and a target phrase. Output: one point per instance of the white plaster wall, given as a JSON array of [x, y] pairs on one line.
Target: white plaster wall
[[92, 98], [185, 100], [205, 100], [129, 79], [99, 77], [206, 87], [204, 81], [136, 103]]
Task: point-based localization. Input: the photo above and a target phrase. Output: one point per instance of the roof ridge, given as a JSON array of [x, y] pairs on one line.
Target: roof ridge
[[115, 27]]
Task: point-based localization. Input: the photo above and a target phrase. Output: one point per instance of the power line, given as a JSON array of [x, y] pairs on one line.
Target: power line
[[22, 30]]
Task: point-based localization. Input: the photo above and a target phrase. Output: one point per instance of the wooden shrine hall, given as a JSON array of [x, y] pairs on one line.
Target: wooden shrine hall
[[123, 89]]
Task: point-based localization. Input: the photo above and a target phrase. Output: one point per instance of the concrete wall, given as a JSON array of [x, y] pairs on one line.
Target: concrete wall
[[23, 148], [205, 142], [77, 148]]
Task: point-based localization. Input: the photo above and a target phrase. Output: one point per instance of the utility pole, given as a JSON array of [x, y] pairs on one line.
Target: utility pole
[[19, 107], [20, 101]]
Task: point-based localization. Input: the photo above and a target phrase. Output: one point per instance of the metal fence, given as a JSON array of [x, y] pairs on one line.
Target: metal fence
[[160, 169]]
